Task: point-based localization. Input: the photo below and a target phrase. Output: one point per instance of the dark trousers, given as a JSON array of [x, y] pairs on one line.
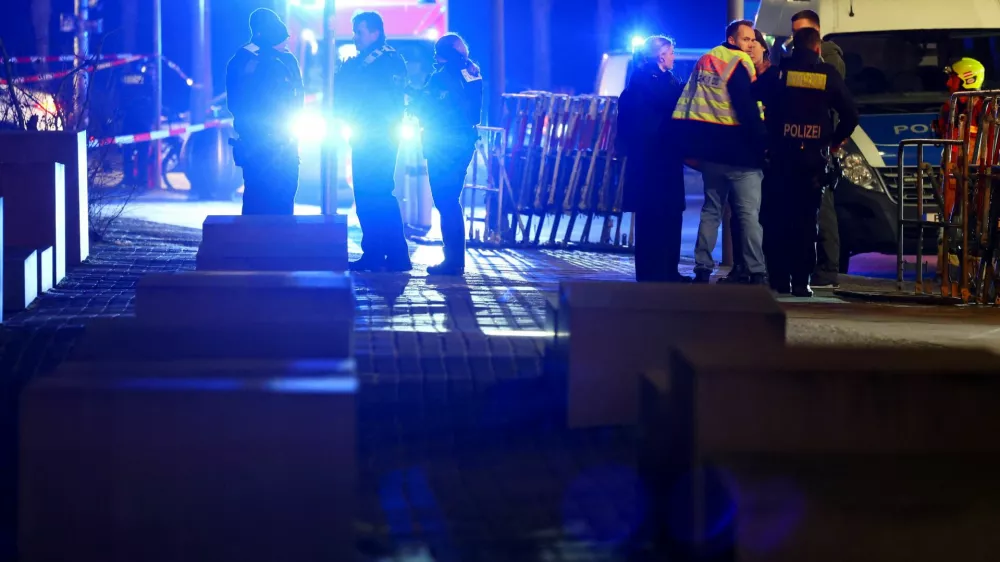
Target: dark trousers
[[270, 179], [658, 232], [446, 170], [828, 248], [374, 167], [791, 224]]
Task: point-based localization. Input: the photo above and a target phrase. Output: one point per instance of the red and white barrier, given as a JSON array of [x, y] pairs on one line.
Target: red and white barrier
[[109, 62], [57, 75], [159, 135]]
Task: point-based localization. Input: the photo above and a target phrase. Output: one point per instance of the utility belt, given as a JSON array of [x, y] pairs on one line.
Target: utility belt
[[807, 160]]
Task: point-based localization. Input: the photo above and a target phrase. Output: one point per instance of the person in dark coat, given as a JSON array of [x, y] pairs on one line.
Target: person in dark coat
[[449, 108], [654, 173]]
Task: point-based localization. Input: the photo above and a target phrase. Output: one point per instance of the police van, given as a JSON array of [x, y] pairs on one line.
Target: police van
[[616, 68], [895, 53]]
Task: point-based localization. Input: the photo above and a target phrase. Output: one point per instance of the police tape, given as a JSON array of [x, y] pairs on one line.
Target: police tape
[[70, 58], [159, 135], [62, 74], [109, 62]]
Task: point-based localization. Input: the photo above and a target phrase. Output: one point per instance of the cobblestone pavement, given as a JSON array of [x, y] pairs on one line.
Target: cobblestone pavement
[[463, 452]]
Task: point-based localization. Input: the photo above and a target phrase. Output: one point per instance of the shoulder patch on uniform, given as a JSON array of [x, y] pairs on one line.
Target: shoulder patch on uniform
[[809, 80], [470, 77]]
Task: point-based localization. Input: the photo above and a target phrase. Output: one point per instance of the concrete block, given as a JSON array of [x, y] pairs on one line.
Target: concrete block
[[127, 339], [826, 454], [20, 278], [34, 199], [46, 268], [70, 149], [233, 299], [607, 332], [274, 243], [217, 461]]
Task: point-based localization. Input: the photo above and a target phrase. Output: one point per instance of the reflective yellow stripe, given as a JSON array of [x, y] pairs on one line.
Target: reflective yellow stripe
[[706, 97], [809, 80]]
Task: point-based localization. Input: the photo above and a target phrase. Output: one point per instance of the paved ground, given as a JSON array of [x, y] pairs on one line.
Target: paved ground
[[462, 449]]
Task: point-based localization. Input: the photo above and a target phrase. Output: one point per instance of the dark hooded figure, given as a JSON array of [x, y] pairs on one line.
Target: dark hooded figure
[[264, 91], [449, 108], [654, 173]]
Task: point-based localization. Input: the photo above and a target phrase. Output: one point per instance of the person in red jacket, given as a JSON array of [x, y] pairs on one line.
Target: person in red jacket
[[965, 75]]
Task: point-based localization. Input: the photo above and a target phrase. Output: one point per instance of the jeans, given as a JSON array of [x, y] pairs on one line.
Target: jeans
[[744, 184]]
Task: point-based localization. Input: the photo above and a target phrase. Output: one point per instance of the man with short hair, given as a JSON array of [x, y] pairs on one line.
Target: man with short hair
[[371, 97], [828, 250], [724, 138]]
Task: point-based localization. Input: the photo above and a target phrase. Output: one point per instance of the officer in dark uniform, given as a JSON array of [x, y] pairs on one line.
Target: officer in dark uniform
[[449, 108], [264, 91], [798, 96], [137, 107], [371, 97]]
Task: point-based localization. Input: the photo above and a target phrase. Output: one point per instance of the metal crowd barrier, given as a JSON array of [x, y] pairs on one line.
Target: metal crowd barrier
[[968, 217], [548, 176], [565, 178]]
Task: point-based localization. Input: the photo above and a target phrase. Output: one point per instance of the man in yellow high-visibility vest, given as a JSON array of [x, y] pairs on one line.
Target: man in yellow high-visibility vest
[[721, 133]]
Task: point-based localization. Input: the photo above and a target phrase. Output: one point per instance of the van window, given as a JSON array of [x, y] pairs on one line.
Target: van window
[[910, 62]]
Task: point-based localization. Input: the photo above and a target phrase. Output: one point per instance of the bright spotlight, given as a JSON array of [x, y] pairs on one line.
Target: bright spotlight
[[638, 41], [407, 131], [190, 82], [309, 126], [432, 34], [345, 132], [347, 51]]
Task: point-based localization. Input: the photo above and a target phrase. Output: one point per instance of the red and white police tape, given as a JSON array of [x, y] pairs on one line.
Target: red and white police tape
[[110, 61], [159, 135], [57, 75]]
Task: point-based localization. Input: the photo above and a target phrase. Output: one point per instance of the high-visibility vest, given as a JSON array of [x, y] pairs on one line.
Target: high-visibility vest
[[706, 96]]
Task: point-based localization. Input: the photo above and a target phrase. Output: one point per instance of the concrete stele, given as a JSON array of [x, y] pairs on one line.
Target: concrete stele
[[130, 339], [70, 149], [609, 332], [34, 200], [828, 454], [161, 461], [232, 299], [274, 243], [20, 279]]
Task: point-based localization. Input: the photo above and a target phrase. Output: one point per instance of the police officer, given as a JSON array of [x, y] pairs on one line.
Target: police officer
[[264, 91], [798, 96], [449, 108], [372, 93]]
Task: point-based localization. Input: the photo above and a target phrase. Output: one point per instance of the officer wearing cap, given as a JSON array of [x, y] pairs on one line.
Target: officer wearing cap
[[371, 98], [798, 96], [449, 108], [264, 91]]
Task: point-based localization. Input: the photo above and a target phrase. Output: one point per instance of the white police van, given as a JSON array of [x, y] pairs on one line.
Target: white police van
[[895, 52]]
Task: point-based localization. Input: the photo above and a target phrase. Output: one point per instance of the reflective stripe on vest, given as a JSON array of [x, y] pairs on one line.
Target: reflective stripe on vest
[[706, 96]]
